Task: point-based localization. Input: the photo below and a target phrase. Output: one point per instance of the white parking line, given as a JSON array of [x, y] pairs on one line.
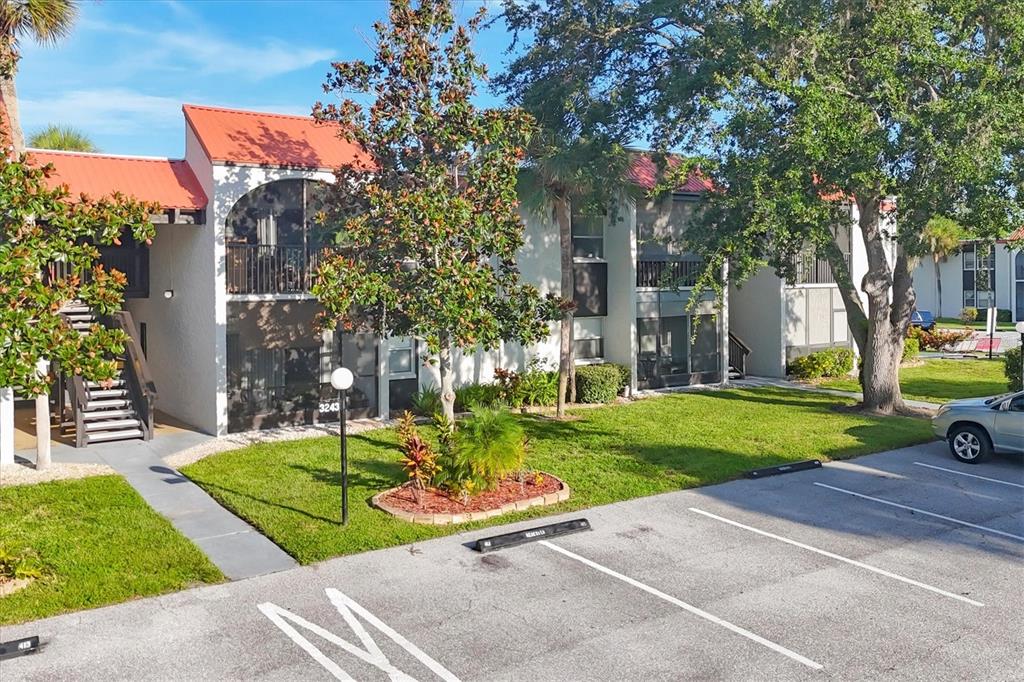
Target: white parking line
[[922, 511], [837, 557], [687, 607], [963, 473]]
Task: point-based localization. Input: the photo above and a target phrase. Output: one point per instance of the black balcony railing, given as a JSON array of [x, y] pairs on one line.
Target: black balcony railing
[[815, 270], [263, 269], [668, 274]]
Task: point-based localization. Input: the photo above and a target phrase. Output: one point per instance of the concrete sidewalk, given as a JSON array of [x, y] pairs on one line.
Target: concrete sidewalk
[[237, 548]]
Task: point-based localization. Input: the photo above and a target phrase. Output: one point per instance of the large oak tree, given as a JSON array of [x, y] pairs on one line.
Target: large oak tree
[[801, 110]]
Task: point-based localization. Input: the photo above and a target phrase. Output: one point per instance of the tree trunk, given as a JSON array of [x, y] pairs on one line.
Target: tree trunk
[[890, 297], [938, 285], [444, 367], [10, 116], [566, 378]]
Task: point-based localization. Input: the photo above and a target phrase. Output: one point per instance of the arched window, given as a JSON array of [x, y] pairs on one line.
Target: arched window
[[280, 213]]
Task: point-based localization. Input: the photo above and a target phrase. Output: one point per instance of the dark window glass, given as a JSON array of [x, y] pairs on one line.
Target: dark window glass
[[675, 342], [588, 349], [591, 295], [1018, 268], [705, 347]]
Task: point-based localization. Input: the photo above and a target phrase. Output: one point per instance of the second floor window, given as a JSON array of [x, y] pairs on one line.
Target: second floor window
[[587, 236]]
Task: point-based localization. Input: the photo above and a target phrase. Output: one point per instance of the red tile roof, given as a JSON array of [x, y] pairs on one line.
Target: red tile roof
[[170, 183], [643, 171], [250, 137], [1016, 235]]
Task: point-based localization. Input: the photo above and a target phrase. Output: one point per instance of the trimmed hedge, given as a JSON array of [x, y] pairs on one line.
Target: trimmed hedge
[[597, 383], [831, 362], [1011, 367]]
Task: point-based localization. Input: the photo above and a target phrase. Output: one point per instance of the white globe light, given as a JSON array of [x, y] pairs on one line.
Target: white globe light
[[1020, 327], [341, 379]]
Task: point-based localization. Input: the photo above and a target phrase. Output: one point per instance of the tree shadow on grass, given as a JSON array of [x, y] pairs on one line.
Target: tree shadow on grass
[[783, 397], [209, 487]]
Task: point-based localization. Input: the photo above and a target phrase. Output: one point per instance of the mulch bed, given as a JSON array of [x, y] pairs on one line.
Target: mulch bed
[[508, 491]]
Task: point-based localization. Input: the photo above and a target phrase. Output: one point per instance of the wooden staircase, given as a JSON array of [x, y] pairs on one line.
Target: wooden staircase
[[121, 409]]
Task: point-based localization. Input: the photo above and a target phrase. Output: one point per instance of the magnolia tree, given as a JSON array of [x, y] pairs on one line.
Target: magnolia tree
[[800, 111], [47, 246], [428, 224]]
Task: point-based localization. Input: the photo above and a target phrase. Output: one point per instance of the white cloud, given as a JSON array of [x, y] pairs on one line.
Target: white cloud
[[114, 111], [208, 53]]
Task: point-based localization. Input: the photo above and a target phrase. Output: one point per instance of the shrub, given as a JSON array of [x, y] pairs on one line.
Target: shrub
[[418, 459], [492, 444], [538, 387], [831, 362], [1011, 368], [597, 383], [938, 339], [625, 375], [969, 315], [484, 395], [911, 349], [1004, 315], [426, 402], [534, 386]]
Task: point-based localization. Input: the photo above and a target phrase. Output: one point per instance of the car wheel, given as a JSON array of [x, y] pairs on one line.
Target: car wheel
[[969, 444]]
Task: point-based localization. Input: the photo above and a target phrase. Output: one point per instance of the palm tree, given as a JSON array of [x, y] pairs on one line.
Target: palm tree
[[942, 237], [568, 172], [63, 138], [45, 21]]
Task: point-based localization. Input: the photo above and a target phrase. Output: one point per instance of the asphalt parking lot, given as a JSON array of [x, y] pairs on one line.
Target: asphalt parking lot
[[901, 565]]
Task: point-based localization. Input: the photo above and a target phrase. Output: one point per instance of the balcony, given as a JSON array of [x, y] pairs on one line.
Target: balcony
[[811, 269], [264, 269], [668, 274]]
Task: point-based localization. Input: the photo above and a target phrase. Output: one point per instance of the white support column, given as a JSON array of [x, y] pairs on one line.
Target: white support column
[[6, 426], [43, 421], [723, 315]]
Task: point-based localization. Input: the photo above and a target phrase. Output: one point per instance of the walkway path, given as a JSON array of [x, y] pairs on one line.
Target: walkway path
[[783, 383], [232, 544]]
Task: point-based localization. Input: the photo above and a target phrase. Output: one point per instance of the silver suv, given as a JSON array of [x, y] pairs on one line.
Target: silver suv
[[975, 427]]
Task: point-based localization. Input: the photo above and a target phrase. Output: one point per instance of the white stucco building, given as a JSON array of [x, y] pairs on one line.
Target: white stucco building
[[220, 301]]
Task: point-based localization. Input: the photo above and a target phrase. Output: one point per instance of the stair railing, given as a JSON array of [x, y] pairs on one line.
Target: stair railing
[[141, 388], [77, 398], [738, 352]]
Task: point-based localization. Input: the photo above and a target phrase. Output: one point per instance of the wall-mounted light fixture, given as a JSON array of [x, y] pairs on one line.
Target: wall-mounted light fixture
[[168, 293]]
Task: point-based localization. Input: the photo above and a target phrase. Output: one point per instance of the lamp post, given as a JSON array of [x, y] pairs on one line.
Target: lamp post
[[341, 380]]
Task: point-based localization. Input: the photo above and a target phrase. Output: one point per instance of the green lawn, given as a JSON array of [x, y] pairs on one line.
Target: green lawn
[[977, 325], [97, 543], [938, 381], [290, 490]]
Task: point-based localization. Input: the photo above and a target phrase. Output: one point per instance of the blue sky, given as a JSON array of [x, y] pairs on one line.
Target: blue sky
[[123, 74]]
